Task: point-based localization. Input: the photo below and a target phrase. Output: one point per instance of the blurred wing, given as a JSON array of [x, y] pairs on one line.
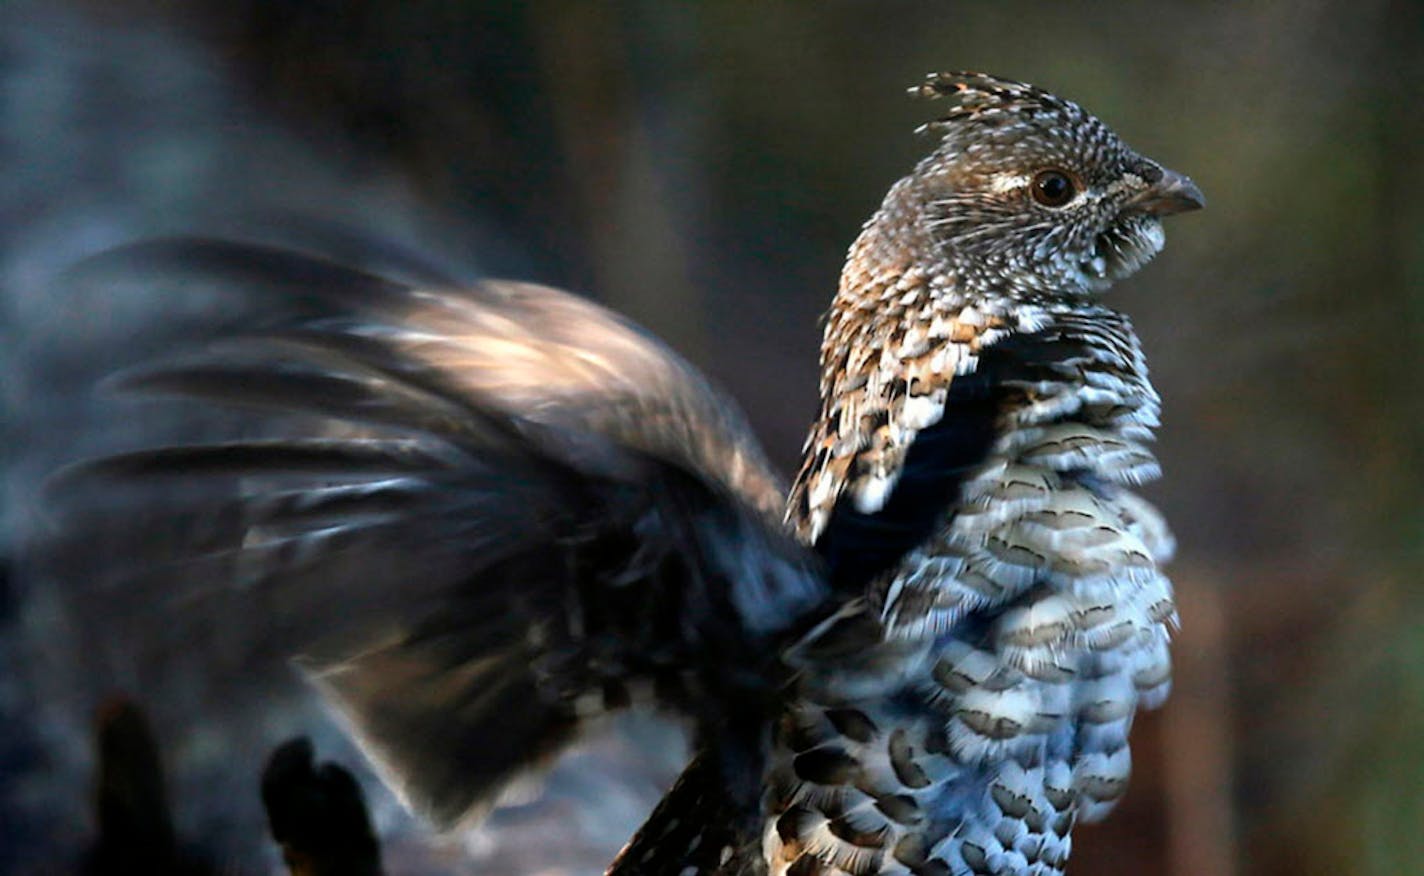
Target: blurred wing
[[505, 510]]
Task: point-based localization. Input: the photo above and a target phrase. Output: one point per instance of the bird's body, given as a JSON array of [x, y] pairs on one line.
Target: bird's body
[[989, 705], [969, 483], [931, 668]]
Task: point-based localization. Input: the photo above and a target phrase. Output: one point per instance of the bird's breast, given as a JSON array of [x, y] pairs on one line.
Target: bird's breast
[[1015, 642]]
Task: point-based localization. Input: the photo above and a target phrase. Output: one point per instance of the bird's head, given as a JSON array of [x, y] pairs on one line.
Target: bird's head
[[1028, 195]]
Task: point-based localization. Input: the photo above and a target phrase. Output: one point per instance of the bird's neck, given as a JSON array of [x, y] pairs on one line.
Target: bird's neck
[[900, 330], [900, 291]]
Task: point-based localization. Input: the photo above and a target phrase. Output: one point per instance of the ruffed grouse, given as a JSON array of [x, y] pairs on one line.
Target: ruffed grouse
[[925, 661]]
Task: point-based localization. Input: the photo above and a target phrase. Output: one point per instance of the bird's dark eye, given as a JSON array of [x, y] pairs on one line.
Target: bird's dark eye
[[1053, 188]]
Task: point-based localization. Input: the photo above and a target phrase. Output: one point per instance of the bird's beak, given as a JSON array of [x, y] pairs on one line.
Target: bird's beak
[[1173, 193]]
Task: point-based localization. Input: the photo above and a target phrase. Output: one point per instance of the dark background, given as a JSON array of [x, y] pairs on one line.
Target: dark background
[[703, 167]]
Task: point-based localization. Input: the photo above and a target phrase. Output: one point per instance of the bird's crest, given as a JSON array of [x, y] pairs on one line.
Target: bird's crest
[[983, 99]]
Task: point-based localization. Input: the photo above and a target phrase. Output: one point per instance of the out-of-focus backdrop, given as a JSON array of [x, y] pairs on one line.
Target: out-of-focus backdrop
[[703, 167]]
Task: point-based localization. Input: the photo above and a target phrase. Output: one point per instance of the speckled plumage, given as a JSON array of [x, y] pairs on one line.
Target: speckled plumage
[[530, 513], [1014, 645], [969, 483]]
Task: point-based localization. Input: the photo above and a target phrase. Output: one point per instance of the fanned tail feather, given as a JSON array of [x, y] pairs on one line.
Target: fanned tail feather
[[697, 830]]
